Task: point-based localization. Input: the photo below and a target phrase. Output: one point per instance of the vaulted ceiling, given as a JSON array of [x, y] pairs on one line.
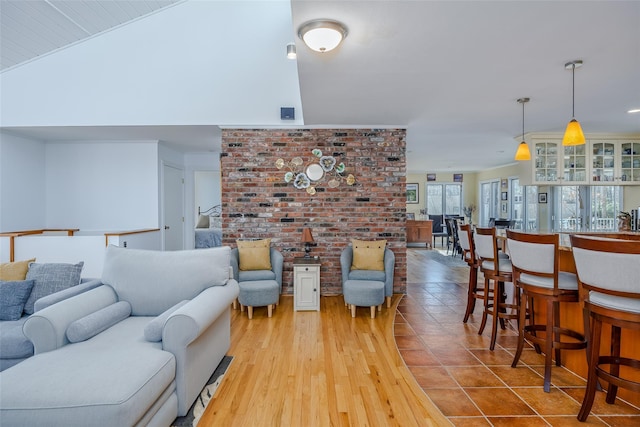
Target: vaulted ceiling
[[448, 71]]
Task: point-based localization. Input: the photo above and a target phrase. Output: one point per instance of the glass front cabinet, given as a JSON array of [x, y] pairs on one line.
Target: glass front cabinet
[[602, 160], [553, 163]]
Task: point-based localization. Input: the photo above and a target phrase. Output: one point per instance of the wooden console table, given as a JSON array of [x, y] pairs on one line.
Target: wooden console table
[[420, 231]]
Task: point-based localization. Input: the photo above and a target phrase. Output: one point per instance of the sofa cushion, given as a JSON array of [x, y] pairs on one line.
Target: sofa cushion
[[13, 295], [368, 255], [90, 383], [254, 254], [153, 330], [15, 270], [168, 276], [50, 278], [15, 344], [98, 321], [251, 275]]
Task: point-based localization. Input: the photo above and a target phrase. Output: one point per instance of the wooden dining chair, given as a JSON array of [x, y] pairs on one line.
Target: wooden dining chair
[[497, 271], [474, 292], [536, 273], [609, 279]]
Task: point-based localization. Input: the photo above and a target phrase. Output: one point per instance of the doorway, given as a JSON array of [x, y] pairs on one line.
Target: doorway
[[173, 208]]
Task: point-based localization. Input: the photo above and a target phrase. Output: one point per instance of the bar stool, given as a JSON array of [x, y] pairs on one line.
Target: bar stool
[[465, 236], [608, 272], [536, 272], [496, 269]]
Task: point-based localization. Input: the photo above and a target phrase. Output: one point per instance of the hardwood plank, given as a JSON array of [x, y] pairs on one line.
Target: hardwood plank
[[318, 369]]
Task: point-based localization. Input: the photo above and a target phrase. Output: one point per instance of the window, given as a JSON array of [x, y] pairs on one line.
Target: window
[[444, 199], [489, 201], [524, 205], [590, 208]]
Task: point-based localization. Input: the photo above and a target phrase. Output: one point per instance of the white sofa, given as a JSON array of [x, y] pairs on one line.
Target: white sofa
[[116, 373]]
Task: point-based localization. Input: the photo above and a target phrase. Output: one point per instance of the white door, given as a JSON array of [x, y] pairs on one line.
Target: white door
[[173, 209]]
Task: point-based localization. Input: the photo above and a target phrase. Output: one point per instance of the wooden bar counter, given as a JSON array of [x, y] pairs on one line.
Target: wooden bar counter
[[571, 317]]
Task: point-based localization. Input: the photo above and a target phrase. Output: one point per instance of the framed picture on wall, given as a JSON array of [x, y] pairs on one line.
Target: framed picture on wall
[[457, 177], [431, 177], [542, 197], [412, 193], [411, 215], [503, 196], [504, 207], [503, 184]]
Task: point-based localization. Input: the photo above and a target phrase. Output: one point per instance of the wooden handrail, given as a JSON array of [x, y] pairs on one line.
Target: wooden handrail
[[13, 234], [125, 233]]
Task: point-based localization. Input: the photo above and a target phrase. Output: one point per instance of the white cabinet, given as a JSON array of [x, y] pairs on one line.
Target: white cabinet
[[603, 160], [306, 284], [615, 161], [554, 163]]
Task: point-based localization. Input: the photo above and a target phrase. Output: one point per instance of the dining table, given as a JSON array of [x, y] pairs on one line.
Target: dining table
[[571, 314]]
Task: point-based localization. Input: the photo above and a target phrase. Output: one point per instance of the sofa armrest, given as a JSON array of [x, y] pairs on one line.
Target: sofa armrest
[[47, 328], [66, 293], [198, 335], [189, 321]]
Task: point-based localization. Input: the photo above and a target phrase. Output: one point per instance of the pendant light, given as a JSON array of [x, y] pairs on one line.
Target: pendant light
[[523, 152], [573, 135]]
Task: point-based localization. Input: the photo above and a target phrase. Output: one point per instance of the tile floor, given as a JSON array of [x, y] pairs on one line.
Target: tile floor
[[472, 385]]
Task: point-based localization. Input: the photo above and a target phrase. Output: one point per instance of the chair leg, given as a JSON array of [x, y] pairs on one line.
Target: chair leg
[[548, 347], [241, 308], [614, 367], [235, 303], [471, 293], [388, 302], [380, 307], [497, 296], [521, 320], [269, 310], [373, 311], [592, 377], [486, 306], [250, 311], [353, 310], [557, 335]]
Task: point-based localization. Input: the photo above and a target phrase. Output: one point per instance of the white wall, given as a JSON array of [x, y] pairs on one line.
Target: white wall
[[170, 68], [107, 186], [22, 183]]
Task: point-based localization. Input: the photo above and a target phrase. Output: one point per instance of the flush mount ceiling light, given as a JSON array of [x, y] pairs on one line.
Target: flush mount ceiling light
[[523, 152], [573, 135], [322, 35]]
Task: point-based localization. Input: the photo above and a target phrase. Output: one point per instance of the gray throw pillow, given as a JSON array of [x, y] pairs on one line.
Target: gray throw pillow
[[50, 278], [13, 295], [153, 330], [98, 321]]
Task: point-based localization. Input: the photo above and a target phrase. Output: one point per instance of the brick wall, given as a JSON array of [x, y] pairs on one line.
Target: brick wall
[[258, 203]]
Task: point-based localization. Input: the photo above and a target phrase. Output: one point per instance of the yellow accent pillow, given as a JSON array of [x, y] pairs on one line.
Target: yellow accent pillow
[[12, 271], [254, 254], [368, 255]]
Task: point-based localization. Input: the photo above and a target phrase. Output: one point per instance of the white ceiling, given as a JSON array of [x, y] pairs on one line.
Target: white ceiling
[[448, 71]]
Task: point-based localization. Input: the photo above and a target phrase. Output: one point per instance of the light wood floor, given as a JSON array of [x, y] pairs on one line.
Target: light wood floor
[[318, 369]]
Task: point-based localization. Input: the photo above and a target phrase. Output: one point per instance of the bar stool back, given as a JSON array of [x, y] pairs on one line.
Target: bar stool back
[[498, 270], [536, 272], [609, 274], [465, 236]]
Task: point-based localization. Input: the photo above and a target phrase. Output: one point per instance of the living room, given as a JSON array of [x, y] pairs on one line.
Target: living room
[[90, 132]]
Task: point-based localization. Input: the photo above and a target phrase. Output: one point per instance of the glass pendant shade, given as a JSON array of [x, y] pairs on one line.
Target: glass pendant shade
[[523, 152], [573, 135]]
